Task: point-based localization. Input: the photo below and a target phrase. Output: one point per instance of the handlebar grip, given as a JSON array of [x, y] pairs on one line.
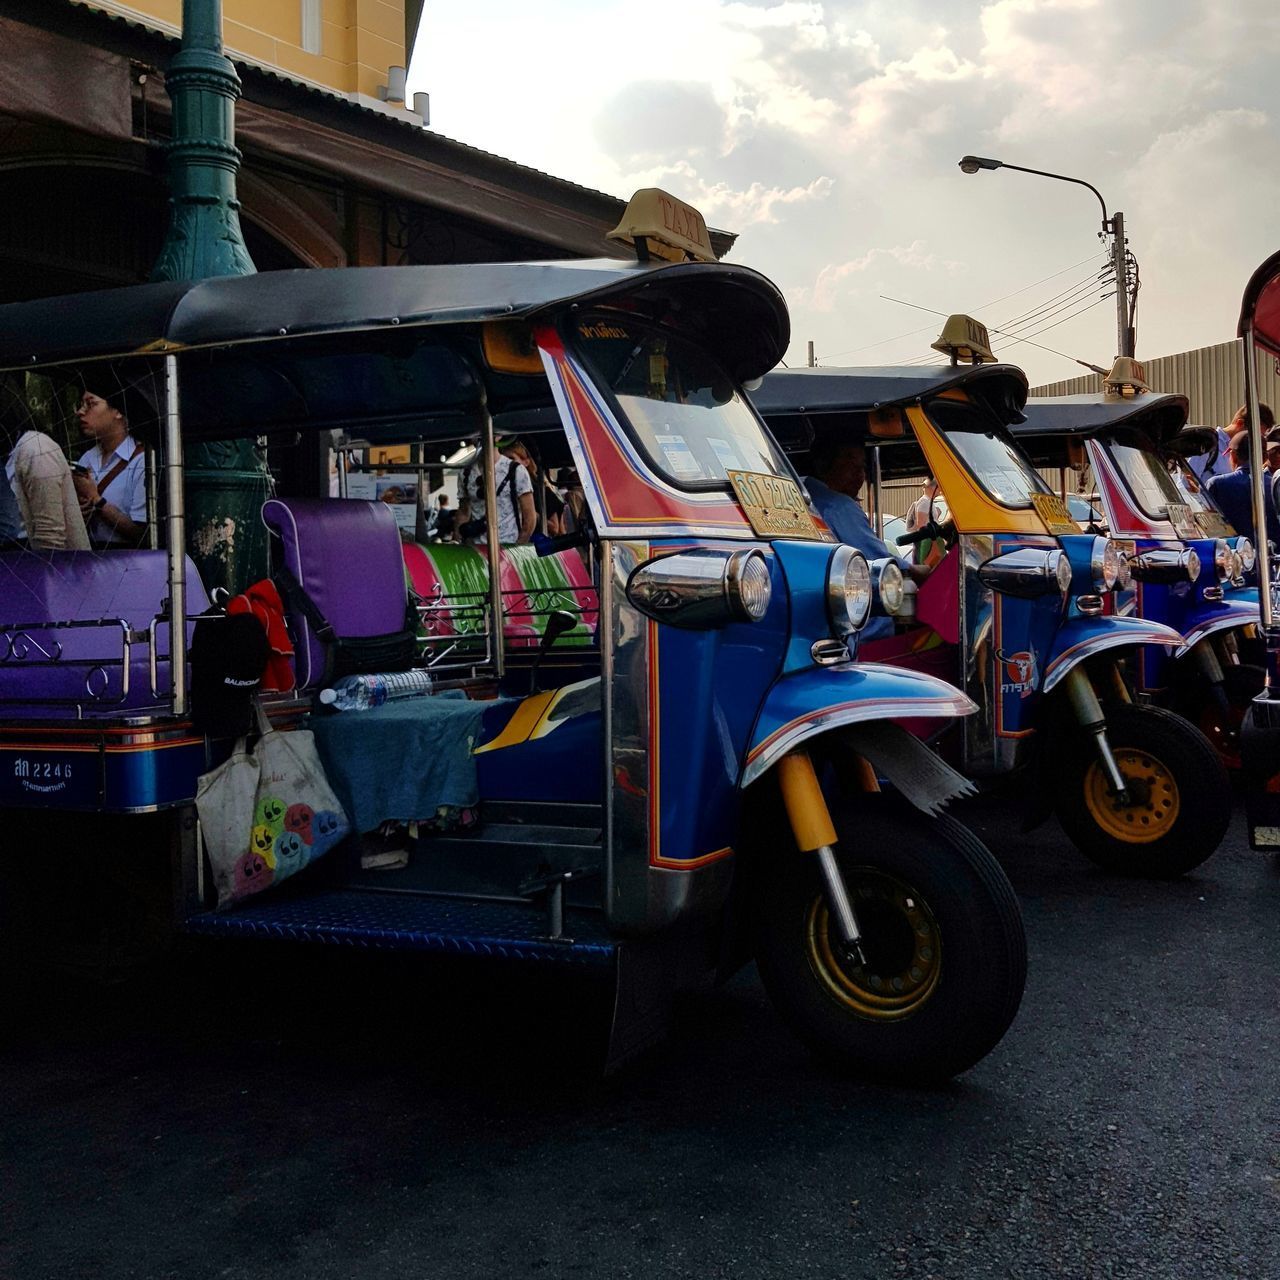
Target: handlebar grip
[[546, 546]]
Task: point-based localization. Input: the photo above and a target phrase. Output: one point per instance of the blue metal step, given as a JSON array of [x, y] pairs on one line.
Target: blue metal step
[[382, 921]]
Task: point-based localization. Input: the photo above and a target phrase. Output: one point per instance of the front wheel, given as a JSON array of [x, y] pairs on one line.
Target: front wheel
[[944, 948], [1178, 799]]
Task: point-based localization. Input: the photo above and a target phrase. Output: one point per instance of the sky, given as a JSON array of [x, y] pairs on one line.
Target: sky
[[827, 136]]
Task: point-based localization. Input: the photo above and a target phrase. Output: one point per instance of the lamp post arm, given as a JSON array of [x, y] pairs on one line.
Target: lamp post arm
[[1062, 177]]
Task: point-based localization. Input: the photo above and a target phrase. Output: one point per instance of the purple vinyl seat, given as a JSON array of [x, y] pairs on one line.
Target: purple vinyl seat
[[41, 666], [345, 555]]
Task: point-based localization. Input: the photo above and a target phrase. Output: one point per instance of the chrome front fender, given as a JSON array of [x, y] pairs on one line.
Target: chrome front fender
[[1081, 638], [801, 706], [1230, 615]]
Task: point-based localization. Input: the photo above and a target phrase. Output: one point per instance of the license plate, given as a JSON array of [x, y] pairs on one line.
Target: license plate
[[1053, 511], [1214, 525], [774, 505], [1183, 524]]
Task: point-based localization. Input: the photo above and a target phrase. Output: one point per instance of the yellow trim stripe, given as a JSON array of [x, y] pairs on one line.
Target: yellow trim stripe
[[521, 725]]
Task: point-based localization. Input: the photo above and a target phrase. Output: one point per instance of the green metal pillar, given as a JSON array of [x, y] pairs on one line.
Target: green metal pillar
[[227, 482]]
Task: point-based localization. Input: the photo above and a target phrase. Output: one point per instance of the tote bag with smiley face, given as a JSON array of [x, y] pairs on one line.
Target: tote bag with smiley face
[[267, 813]]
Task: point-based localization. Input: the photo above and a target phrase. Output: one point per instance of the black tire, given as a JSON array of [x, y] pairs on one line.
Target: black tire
[[1200, 705], [1182, 798], [971, 978]]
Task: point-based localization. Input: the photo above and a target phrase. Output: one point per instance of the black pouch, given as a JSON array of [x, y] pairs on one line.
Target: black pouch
[[351, 657]]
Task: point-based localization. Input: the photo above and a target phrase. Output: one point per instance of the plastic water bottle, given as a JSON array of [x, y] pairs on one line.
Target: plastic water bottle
[[359, 693]]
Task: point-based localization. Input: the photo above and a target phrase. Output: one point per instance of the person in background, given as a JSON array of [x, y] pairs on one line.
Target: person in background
[[113, 488], [517, 517], [1233, 492], [837, 472], [930, 505]]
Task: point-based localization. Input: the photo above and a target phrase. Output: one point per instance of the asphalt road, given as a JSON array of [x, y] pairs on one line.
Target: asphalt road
[[270, 1121]]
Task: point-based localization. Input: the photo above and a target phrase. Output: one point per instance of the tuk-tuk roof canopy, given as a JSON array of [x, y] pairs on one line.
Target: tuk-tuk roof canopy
[[824, 390], [1163, 415], [747, 325], [1261, 306]]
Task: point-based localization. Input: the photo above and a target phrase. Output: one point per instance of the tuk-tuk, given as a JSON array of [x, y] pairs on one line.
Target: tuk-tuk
[[1259, 331], [1016, 612], [1187, 563], [678, 764]]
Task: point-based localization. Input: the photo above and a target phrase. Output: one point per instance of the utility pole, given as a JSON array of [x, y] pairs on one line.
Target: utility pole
[[226, 480], [1120, 256], [813, 363]]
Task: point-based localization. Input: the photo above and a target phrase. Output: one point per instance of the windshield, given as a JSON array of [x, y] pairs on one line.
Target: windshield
[[988, 452], [684, 412], [1144, 472]]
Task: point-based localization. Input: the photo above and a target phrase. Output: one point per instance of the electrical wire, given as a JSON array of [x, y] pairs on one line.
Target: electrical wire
[[994, 301]]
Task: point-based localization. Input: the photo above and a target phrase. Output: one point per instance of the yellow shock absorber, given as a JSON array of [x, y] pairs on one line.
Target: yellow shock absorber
[[1118, 686], [806, 805], [815, 833]]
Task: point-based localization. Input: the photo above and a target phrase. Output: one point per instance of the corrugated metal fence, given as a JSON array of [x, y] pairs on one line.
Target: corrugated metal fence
[[1211, 378]]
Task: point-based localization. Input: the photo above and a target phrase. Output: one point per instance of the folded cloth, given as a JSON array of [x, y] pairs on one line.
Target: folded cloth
[[262, 600], [403, 760]]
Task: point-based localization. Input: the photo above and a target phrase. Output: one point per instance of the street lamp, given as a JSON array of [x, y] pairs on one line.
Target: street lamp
[[1112, 225]]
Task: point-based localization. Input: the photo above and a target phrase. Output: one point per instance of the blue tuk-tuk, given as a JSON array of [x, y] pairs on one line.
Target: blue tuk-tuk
[[677, 765], [1018, 612], [1187, 563]]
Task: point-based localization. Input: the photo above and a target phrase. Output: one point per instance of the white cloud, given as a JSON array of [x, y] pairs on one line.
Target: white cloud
[[827, 134]]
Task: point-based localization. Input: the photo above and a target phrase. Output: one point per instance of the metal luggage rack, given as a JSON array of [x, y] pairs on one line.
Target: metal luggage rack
[[468, 642], [19, 641]]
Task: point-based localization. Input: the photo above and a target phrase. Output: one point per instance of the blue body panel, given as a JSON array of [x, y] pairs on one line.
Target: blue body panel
[[706, 690]]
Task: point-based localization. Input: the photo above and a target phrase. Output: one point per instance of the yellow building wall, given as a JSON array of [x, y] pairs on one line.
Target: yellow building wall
[[359, 39]]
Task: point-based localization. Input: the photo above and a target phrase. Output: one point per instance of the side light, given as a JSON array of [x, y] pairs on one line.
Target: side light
[[848, 590], [702, 588], [1028, 572], [887, 586], [1245, 550]]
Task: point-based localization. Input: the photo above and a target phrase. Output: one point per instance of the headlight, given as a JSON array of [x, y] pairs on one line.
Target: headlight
[[888, 591], [1245, 550], [1125, 579], [1192, 563], [1222, 560], [748, 585], [1105, 564], [848, 590], [1063, 572]]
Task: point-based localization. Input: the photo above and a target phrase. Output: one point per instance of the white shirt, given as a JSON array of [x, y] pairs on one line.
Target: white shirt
[[472, 487], [924, 509], [128, 490]]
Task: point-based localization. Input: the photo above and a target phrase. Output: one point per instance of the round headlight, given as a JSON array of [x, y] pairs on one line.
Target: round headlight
[[748, 586], [889, 588], [1245, 550], [1222, 560], [1125, 579], [1105, 564], [1192, 562], [848, 590], [1062, 570]]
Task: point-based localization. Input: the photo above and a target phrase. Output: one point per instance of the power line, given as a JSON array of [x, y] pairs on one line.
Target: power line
[[994, 301], [1074, 359]]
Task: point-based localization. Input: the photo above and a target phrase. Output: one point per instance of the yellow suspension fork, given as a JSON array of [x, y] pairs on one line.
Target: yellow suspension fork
[[815, 833], [1089, 713]]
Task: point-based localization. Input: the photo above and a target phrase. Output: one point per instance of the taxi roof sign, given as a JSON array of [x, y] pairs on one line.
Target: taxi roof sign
[[964, 338], [658, 224], [1127, 378]]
